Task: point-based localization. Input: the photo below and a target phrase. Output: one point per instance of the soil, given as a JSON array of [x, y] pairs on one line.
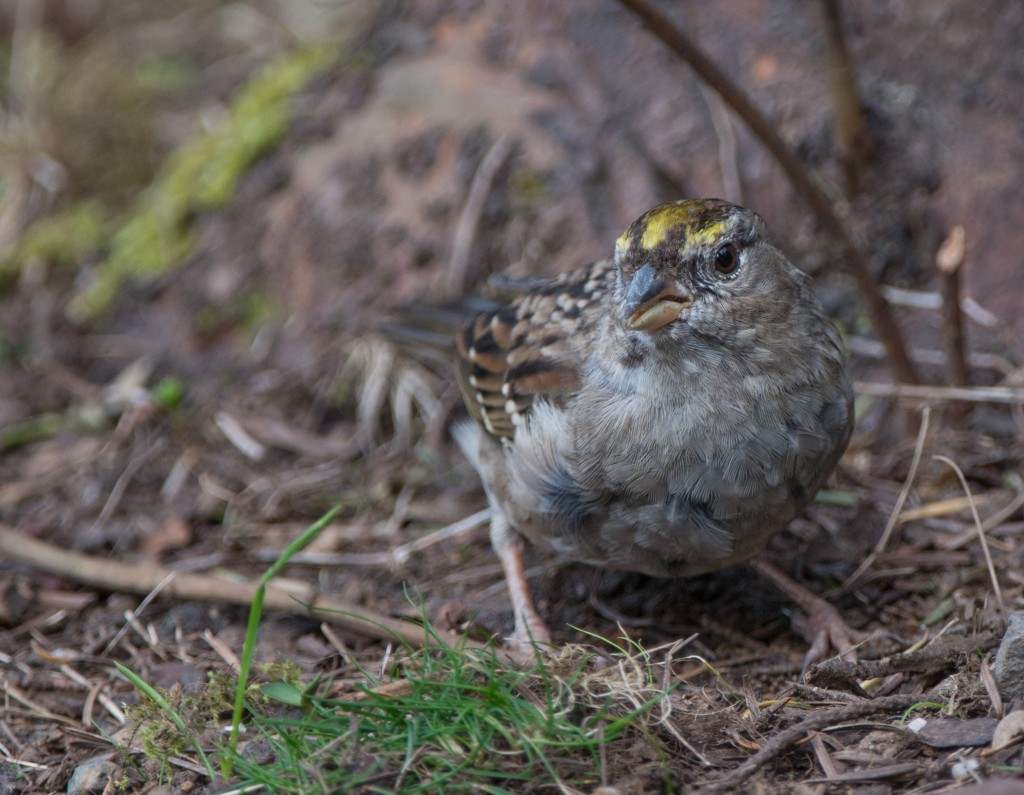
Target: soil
[[302, 391]]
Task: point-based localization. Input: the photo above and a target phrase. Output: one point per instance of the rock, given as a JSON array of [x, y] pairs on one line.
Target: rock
[[91, 776], [1008, 668], [953, 733], [9, 783], [1009, 728]]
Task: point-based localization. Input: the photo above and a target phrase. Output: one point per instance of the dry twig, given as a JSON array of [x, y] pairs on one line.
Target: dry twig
[[852, 138], [469, 219], [141, 578], [948, 260], [1000, 604], [940, 655], [894, 517], [970, 394], [783, 740]]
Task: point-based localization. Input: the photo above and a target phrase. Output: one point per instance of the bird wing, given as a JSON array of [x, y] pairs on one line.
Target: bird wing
[[530, 348]]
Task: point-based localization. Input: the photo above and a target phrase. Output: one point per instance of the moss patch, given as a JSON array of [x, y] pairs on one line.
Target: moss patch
[[200, 176], [61, 239]]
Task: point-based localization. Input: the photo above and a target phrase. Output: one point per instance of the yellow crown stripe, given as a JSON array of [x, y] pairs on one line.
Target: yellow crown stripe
[[673, 216]]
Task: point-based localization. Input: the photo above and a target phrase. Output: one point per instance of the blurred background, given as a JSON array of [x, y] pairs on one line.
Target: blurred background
[[208, 211]]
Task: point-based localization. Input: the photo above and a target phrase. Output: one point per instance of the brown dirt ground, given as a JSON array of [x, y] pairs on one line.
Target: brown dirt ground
[[355, 215]]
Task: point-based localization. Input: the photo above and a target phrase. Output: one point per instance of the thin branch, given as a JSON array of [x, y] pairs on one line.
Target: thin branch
[[852, 137], [923, 299], [141, 578], [1000, 604], [856, 263], [897, 509], [969, 394], [872, 349], [938, 656], [782, 741], [469, 219], [726, 137], [948, 260]]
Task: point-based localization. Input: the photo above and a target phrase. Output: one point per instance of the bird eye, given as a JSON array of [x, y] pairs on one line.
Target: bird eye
[[727, 258]]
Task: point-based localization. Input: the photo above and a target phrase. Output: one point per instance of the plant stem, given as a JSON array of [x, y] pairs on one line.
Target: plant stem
[[853, 140]]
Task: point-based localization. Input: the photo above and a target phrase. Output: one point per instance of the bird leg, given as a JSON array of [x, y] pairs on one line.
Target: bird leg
[[826, 627], [529, 627]]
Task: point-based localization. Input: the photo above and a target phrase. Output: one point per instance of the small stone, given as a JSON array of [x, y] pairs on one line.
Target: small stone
[[91, 776], [1009, 728], [259, 752], [1008, 668], [952, 733], [9, 783]]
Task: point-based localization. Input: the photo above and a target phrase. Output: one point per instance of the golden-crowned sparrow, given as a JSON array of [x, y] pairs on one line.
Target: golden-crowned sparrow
[[666, 411]]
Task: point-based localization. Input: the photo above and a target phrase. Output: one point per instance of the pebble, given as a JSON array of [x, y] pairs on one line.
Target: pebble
[[91, 776], [1008, 668]]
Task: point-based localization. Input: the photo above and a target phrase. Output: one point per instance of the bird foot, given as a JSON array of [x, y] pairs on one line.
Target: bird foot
[[826, 630], [529, 637], [530, 631], [822, 625]]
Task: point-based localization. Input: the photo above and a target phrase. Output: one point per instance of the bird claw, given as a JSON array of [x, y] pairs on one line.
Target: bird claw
[[826, 630], [530, 638], [823, 625]]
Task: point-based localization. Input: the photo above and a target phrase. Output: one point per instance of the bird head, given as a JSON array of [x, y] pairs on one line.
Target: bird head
[[680, 254]]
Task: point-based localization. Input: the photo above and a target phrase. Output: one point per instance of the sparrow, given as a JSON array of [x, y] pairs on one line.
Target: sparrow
[[666, 411]]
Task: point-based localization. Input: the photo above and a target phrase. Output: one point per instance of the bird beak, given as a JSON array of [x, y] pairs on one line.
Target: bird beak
[[652, 301]]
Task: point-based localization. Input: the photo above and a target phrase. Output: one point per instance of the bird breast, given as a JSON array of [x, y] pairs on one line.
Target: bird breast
[[676, 474]]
